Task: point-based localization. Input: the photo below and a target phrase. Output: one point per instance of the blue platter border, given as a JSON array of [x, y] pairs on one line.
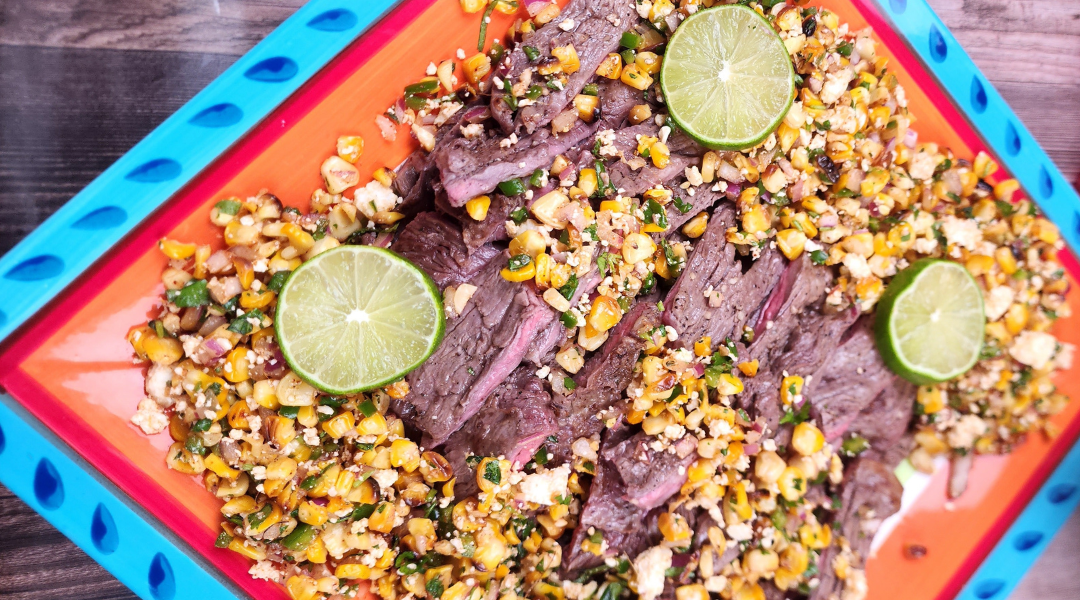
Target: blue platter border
[[127, 541]]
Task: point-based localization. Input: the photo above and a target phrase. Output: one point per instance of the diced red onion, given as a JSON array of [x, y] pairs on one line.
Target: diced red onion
[[386, 128], [219, 262], [751, 449], [699, 369], [477, 114], [911, 138], [729, 173], [535, 6], [828, 221], [383, 239]]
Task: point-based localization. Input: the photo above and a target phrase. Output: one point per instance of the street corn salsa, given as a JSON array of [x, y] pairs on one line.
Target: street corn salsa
[[656, 308]]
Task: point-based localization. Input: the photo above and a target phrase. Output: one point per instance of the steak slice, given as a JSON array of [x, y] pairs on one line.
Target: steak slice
[[633, 175], [650, 476], [513, 422], [713, 268], [870, 494], [884, 422], [848, 381], [604, 378], [434, 243], [479, 350], [593, 27]]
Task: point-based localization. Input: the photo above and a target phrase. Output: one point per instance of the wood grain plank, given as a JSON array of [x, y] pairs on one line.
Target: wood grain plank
[[211, 26]]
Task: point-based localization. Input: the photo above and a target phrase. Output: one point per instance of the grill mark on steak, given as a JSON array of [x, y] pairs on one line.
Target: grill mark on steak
[[479, 350], [513, 422], [650, 476], [594, 35], [434, 243], [884, 422]]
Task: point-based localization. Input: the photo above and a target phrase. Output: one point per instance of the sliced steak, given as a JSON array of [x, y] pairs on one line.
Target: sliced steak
[[634, 174], [703, 198], [650, 476], [593, 27], [884, 422], [513, 422], [493, 227], [434, 243], [479, 350], [848, 381], [713, 268], [870, 494], [604, 378]]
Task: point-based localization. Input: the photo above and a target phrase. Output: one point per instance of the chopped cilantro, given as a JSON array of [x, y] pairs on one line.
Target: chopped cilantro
[[795, 417], [193, 294]]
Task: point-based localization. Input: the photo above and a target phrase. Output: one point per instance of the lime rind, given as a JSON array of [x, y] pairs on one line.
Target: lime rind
[[931, 322], [738, 106], [357, 318]]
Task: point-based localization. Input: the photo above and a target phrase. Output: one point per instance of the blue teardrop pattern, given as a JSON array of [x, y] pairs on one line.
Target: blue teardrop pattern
[[105, 217]]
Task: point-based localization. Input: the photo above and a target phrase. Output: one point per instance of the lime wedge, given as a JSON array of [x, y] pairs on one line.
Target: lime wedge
[[356, 318], [727, 77], [931, 322]]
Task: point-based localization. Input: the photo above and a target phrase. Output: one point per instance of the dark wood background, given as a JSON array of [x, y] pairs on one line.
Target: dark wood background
[[81, 81]]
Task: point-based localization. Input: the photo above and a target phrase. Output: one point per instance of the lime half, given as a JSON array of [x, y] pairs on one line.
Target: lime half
[[931, 322], [727, 77], [356, 318]]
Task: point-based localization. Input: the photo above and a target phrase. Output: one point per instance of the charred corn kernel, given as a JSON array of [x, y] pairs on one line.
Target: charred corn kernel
[[382, 520], [633, 76], [405, 454], [350, 147], [791, 242], [859, 243], [316, 552], [869, 289], [695, 227], [1006, 260], [546, 208], [307, 416], [253, 552], [478, 207], [383, 176], [604, 314], [700, 470], [201, 254], [755, 219], [749, 591], [586, 107], [491, 472], [749, 368], [931, 398], [768, 467], [611, 67], [373, 425], [673, 527], [162, 350], [636, 247], [312, 514], [137, 337], [738, 503], [760, 562], [815, 536], [984, 166], [176, 250], [236, 365], [339, 175], [271, 519], [787, 136], [523, 274], [660, 155], [398, 389], [807, 439], [476, 67], [300, 239], [729, 385], [785, 579], [648, 62], [1016, 318], [792, 484], [656, 424], [587, 180], [339, 425], [790, 387], [353, 571], [238, 505], [1004, 190], [874, 182], [250, 299], [263, 393], [544, 265], [473, 6], [640, 113], [1046, 231], [568, 58], [703, 347], [282, 468], [238, 416], [218, 466]]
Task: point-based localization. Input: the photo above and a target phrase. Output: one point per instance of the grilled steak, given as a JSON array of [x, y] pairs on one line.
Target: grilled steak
[[884, 422], [593, 27], [633, 175], [651, 476], [513, 422], [479, 350], [434, 243]]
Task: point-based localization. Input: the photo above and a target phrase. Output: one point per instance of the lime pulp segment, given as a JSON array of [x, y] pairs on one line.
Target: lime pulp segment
[[932, 322], [727, 77], [357, 317]]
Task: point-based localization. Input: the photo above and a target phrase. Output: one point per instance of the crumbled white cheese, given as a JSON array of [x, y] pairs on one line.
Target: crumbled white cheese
[[311, 436], [740, 532], [472, 130], [544, 488], [997, 301], [375, 197], [150, 418], [836, 84], [857, 265], [431, 70], [258, 472], [385, 478], [926, 245], [567, 25], [922, 165], [962, 232], [1033, 348], [966, 431], [649, 569], [264, 569]]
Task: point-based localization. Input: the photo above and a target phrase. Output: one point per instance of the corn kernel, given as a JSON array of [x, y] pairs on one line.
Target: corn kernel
[[673, 527], [792, 484], [176, 250], [791, 242], [635, 78], [636, 247], [807, 439], [604, 314], [815, 536], [524, 273], [339, 425], [568, 58], [1016, 318], [404, 453], [1006, 260], [162, 350], [790, 387], [640, 113], [350, 147], [478, 207], [660, 154], [1004, 190], [611, 67], [586, 107], [931, 398], [476, 67], [253, 552], [755, 219]]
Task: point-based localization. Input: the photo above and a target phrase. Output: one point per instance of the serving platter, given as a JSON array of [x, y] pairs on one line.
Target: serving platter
[[73, 288]]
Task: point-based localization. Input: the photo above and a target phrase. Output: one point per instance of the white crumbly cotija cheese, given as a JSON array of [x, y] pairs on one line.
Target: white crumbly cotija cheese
[[997, 301], [962, 232], [375, 197], [649, 568], [966, 431], [150, 418], [544, 488], [856, 263], [264, 569], [385, 478], [1033, 348]]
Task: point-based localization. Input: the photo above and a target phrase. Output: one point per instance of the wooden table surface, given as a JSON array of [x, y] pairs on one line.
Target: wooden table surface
[[81, 81]]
